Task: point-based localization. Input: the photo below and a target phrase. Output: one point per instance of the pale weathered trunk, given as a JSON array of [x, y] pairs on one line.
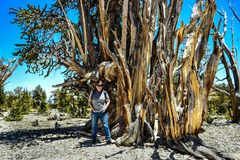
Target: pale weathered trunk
[[235, 99], [236, 78], [152, 80]]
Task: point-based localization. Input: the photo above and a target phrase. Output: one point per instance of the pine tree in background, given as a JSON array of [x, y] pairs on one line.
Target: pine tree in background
[[10, 98], [25, 101], [18, 103], [61, 100], [15, 113], [82, 106], [67, 102], [39, 98], [12, 104], [2, 98], [18, 92]]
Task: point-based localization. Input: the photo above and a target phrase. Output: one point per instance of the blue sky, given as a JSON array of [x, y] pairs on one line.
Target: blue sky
[[10, 33]]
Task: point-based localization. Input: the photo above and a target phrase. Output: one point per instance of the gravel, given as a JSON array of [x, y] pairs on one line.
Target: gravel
[[22, 141]]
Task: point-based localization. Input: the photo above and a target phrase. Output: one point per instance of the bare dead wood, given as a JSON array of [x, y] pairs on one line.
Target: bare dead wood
[[233, 67], [232, 92], [7, 67], [194, 146], [124, 28], [234, 12], [84, 26], [221, 90], [104, 32]]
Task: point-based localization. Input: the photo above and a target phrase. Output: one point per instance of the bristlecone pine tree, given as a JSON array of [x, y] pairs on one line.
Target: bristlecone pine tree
[[136, 46]]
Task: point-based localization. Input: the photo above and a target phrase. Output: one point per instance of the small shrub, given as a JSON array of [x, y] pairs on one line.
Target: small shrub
[[43, 108], [86, 111], [218, 104], [14, 115], [209, 119], [74, 110], [3, 108]]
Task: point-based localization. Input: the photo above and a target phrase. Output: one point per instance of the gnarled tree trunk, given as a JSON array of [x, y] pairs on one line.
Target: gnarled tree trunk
[[177, 94], [183, 93]]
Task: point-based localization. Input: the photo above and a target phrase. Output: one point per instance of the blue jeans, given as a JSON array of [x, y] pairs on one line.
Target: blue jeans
[[104, 120]]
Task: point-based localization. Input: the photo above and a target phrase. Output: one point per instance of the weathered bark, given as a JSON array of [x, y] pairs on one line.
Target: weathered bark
[[181, 113], [179, 105]]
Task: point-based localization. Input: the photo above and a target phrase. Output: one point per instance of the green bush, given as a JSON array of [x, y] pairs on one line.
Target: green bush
[[2, 99], [18, 104], [43, 108], [25, 102], [14, 115], [3, 108], [75, 105], [73, 110], [218, 104], [86, 112]]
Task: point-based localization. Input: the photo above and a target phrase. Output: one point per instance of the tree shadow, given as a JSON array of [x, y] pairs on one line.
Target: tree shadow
[[48, 134], [114, 154], [88, 143], [171, 156], [155, 155], [161, 144]]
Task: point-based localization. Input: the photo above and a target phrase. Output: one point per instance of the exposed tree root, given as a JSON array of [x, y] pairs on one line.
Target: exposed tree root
[[87, 126], [117, 130], [136, 136], [194, 146], [190, 144], [129, 137]]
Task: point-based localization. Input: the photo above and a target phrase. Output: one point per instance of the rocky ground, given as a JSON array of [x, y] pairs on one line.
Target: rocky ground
[[35, 137]]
